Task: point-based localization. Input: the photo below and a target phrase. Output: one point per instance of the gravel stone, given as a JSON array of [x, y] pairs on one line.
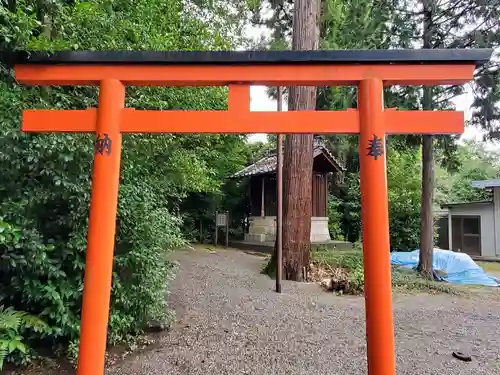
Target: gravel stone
[[230, 321]]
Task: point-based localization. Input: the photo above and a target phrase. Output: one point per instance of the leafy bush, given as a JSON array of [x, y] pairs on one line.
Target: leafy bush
[[45, 206], [357, 280], [335, 218], [15, 330], [345, 268], [142, 266], [404, 194], [350, 208], [45, 190], [475, 163]]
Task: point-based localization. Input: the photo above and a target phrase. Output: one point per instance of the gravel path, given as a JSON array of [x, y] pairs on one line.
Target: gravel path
[[230, 321]]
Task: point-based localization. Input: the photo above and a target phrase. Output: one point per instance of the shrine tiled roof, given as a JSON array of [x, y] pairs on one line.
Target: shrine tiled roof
[[268, 163]]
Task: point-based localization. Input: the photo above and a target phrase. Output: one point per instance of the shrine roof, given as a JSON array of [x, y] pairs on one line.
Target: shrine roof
[[267, 165], [337, 57]]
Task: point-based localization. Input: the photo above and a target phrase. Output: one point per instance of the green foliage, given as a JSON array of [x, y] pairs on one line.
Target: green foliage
[[226, 156], [15, 330], [335, 218], [142, 267], [475, 163], [351, 260], [346, 271], [345, 268], [454, 24], [411, 281], [357, 279], [45, 190], [403, 179], [350, 208]]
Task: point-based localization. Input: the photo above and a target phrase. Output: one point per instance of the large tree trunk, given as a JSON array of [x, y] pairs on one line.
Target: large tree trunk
[[298, 155], [426, 214]]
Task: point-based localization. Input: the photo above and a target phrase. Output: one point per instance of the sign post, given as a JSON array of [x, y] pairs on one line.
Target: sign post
[[369, 70], [227, 229], [279, 199], [222, 220], [216, 240]]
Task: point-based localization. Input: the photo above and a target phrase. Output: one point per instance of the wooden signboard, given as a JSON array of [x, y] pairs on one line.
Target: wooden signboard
[[221, 220]]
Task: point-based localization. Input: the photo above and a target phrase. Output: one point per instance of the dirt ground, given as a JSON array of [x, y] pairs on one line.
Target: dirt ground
[[230, 321]]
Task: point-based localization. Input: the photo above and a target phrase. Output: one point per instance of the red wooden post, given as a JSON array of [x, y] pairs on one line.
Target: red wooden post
[[375, 223], [102, 224]]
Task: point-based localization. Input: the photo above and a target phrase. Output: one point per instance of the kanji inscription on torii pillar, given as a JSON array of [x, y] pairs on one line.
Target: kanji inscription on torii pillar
[[375, 147], [103, 144]]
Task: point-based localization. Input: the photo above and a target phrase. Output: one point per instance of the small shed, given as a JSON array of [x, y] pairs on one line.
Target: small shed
[[473, 227], [262, 194]]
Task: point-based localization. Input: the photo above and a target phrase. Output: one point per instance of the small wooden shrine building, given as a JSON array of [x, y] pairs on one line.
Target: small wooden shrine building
[[262, 194]]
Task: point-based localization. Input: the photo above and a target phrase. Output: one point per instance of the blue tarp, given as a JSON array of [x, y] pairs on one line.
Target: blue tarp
[[458, 267]]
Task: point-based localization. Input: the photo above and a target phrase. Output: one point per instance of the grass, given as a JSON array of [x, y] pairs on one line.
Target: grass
[[351, 264], [490, 267]]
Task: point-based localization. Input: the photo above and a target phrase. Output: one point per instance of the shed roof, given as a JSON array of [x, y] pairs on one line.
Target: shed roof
[[450, 205], [268, 163], [486, 184]]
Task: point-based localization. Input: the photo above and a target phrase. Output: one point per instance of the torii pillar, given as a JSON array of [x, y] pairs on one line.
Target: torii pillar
[[369, 70]]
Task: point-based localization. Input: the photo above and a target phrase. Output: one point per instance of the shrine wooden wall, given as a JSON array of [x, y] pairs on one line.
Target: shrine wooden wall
[[319, 195]]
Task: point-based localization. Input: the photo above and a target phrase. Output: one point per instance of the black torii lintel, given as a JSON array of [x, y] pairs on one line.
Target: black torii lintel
[[476, 57]]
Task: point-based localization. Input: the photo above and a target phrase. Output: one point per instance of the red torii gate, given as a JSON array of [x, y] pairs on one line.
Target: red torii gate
[[369, 70]]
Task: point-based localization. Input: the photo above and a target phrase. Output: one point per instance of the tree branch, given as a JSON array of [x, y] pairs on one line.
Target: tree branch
[[453, 16], [445, 12]]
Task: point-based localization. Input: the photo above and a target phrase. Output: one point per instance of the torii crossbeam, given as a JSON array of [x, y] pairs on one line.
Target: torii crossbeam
[[369, 70]]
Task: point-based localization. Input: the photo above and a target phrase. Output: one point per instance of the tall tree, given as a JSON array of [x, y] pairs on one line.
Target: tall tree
[[455, 24], [298, 154], [426, 216], [385, 24]]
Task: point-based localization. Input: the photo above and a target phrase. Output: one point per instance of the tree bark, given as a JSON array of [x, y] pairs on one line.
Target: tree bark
[[12, 6], [298, 155], [426, 214]]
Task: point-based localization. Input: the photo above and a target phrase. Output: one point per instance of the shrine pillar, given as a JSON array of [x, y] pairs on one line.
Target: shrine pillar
[[375, 223], [102, 225]]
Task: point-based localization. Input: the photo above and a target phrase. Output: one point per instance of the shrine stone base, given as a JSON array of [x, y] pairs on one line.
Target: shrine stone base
[[262, 229]]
